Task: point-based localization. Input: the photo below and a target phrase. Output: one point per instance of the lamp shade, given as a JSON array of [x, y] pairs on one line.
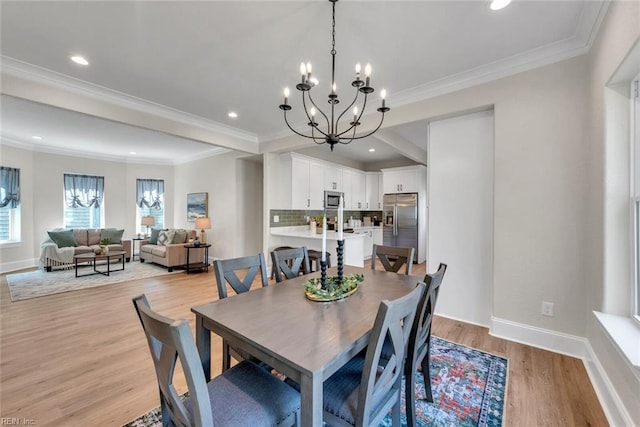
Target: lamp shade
[[203, 223], [148, 221]]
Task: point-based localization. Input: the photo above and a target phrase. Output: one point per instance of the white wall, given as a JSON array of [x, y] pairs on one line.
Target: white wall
[[461, 214]]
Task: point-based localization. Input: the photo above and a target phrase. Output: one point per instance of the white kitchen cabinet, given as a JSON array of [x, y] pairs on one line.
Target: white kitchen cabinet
[[332, 178], [373, 191], [347, 178], [367, 243], [404, 180], [377, 236], [358, 193], [302, 183]]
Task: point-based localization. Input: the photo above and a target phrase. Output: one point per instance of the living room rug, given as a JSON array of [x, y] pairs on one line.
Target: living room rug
[[468, 385], [40, 283]]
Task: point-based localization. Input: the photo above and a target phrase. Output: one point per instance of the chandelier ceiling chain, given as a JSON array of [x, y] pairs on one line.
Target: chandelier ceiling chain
[[332, 135]]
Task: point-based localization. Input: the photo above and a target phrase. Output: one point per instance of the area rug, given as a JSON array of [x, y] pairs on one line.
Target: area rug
[[40, 283], [469, 389]]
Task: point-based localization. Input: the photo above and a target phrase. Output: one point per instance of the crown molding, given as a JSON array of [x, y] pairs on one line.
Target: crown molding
[[30, 146], [35, 74]]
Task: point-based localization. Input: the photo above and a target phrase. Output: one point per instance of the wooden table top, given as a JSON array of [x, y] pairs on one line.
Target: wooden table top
[[315, 337]]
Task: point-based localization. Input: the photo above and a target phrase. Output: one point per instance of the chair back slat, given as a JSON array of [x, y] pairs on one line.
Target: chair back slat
[[227, 272], [393, 258], [290, 263]]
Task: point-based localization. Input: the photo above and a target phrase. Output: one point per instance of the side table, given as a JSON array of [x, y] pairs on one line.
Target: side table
[[197, 266], [133, 249]]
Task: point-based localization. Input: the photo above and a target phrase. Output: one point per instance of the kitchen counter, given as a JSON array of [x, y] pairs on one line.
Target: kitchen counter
[[302, 236]]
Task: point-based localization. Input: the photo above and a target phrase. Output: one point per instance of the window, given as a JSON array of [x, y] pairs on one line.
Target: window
[[150, 202], [9, 204], [83, 201]]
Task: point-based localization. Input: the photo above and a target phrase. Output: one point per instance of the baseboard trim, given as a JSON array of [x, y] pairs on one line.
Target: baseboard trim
[[612, 406], [9, 267], [570, 345], [558, 342]]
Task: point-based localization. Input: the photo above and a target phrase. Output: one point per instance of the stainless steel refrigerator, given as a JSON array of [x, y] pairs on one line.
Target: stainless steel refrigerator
[[400, 216]]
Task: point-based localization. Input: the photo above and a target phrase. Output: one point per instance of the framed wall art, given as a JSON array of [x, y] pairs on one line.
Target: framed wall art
[[197, 206]]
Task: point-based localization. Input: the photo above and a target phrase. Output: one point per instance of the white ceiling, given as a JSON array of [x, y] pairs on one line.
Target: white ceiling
[[199, 60]]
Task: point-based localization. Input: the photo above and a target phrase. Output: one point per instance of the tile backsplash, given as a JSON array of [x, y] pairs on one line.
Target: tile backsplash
[[288, 218]]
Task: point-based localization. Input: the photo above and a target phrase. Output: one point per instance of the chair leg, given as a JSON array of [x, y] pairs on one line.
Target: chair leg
[[226, 356], [395, 415], [410, 393], [427, 375]]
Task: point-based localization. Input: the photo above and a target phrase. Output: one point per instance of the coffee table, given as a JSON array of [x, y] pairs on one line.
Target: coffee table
[[93, 258]]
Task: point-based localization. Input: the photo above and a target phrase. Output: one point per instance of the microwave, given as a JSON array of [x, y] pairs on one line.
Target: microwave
[[332, 199]]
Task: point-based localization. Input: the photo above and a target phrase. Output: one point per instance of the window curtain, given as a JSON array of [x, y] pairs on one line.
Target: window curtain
[[10, 187], [150, 193], [83, 191]]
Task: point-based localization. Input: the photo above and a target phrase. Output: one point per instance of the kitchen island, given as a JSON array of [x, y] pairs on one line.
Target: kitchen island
[[302, 236]]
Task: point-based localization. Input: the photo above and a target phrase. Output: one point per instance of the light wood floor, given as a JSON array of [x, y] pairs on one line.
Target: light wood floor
[[81, 359]]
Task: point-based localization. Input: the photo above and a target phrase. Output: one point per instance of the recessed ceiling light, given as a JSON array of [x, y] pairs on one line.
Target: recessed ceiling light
[[132, 153], [36, 137], [499, 4], [371, 150], [79, 60], [233, 114]]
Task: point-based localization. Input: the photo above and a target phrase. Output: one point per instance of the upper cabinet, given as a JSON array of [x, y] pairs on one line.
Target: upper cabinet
[[373, 191], [354, 184], [332, 178], [302, 183], [409, 179]]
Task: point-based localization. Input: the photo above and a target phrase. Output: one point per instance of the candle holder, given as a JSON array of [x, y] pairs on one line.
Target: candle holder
[[340, 253], [323, 274]]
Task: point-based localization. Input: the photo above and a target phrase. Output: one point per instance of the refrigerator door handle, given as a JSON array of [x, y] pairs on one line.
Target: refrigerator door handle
[[395, 220]]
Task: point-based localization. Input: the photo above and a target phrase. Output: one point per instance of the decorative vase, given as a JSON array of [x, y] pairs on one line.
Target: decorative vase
[[312, 226]]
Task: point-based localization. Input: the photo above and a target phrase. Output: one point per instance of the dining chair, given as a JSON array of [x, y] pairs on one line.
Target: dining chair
[[392, 258], [242, 395], [273, 267], [290, 263], [226, 271], [420, 340], [362, 392]]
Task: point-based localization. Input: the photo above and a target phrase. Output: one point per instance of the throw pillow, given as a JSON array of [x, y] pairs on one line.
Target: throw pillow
[[63, 239], [165, 237], [153, 240], [180, 236], [114, 236]]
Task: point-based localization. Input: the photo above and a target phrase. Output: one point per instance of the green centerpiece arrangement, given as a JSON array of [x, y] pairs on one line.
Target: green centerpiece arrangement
[[333, 289]]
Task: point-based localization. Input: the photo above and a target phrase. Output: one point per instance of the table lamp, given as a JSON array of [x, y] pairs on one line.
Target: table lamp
[[202, 224], [149, 221]]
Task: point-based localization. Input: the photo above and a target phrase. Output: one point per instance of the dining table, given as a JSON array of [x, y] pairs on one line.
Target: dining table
[[305, 340]]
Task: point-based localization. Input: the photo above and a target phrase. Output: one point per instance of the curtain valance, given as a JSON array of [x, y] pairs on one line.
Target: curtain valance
[[150, 193], [83, 191], [9, 187]]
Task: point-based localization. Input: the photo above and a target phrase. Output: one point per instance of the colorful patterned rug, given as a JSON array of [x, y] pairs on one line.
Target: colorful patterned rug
[[469, 389]]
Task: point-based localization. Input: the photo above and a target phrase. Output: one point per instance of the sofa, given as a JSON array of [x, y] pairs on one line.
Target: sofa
[[60, 246], [166, 247]]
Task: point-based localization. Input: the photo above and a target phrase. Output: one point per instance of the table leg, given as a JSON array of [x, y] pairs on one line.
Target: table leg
[[311, 411], [203, 342]]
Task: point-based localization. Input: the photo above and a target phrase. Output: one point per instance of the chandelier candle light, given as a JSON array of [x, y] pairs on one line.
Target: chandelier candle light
[[331, 134]]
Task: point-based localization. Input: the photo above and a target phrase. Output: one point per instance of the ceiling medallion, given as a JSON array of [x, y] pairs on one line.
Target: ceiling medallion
[[332, 135]]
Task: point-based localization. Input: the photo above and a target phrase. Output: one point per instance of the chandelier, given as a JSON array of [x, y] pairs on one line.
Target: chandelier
[[329, 132]]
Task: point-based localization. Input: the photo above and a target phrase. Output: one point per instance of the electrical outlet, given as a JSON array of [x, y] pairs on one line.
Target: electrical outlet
[[547, 308], [276, 218]]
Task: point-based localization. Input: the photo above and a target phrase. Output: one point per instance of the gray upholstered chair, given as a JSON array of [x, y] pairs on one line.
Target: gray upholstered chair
[[245, 395], [362, 392], [226, 272], [290, 263], [392, 258]]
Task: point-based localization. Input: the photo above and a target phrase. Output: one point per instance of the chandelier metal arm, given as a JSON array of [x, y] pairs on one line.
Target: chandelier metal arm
[[347, 109], [368, 134], [293, 130], [304, 105], [356, 121]]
